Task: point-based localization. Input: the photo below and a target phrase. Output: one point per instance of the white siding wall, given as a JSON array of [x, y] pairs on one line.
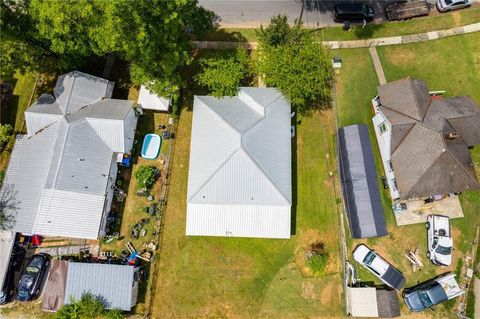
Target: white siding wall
[[238, 221], [38, 121], [384, 141]]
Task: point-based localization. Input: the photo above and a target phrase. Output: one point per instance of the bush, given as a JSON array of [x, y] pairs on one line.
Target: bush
[[88, 307], [146, 176], [317, 257], [222, 72], [5, 133]]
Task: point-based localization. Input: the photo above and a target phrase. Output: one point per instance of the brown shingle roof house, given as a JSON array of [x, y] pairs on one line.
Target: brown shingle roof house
[[424, 139]]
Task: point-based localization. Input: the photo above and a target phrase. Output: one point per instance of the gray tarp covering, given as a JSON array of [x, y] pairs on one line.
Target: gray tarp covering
[[54, 291], [359, 182]]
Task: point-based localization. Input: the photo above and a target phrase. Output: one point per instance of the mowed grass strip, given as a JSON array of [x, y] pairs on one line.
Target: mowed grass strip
[[13, 114], [450, 64], [251, 278], [398, 28]]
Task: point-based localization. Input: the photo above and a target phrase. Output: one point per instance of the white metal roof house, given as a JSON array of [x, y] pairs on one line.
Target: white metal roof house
[[115, 285], [58, 182], [151, 101], [240, 181]]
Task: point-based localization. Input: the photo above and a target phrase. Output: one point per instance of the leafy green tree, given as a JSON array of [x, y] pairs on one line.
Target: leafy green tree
[[223, 72], [279, 32], [152, 35], [88, 307], [146, 176], [5, 133], [296, 65]]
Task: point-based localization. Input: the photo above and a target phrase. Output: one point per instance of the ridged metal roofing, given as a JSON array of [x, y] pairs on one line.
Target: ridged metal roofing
[[240, 164], [114, 284], [7, 239], [76, 89], [25, 177], [57, 178]]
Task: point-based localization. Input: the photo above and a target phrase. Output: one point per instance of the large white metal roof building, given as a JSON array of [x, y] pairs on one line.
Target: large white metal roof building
[[240, 181], [60, 172]]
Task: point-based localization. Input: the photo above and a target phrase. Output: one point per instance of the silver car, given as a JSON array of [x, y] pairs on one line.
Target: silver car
[[449, 5]]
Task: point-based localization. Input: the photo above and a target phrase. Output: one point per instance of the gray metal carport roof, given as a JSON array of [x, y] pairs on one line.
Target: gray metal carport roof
[[359, 182]]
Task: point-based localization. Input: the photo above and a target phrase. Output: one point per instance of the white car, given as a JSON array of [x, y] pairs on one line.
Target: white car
[[449, 5], [439, 240], [379, 267]]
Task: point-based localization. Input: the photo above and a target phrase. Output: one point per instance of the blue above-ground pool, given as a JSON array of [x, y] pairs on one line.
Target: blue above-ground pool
[[151, 146]]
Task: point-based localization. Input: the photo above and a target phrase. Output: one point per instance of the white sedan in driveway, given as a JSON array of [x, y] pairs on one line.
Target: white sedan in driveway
[[379, 267], [449, 5]]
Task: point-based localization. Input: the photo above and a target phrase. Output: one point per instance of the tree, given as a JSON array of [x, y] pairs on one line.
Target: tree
[[152, 35], [88, 307], [279, 32], [5, 133], [146, 176], [296, 65], [223, 72]]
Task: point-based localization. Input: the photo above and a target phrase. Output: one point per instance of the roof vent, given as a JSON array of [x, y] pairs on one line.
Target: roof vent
[[452, 135]]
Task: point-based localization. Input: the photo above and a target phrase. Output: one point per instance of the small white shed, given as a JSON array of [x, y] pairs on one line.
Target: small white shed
[[150, 101]]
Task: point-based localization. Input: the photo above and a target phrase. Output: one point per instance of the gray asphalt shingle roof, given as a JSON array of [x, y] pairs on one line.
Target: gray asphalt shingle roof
[[426, 162]]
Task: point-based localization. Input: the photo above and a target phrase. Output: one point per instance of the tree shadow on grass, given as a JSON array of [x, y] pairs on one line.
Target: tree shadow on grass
[[293, 223], [368, 32]]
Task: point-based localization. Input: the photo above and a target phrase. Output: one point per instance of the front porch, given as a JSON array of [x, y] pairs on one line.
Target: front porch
[[417, 210]]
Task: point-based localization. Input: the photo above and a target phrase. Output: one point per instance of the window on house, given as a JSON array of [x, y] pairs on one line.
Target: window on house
[[390, 166], [383, 127], [394, 182]]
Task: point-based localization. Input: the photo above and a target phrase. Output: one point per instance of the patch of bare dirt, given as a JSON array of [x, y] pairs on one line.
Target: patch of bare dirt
[[308, 291], [400, 56], [457, 18], [329, 292]]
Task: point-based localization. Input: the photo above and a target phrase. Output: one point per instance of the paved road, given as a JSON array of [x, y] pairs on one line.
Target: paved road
[[253, 13], [314, 13]]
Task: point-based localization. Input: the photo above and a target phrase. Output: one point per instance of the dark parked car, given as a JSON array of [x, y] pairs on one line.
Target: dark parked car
[[354, 12], [32, 279], [432, 292], [8, 290]]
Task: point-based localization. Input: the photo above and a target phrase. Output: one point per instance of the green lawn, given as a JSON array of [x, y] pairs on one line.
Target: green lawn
[[396, 28], [232, 34], [389, 29], [356, 85], [212, 277], [13, 114]]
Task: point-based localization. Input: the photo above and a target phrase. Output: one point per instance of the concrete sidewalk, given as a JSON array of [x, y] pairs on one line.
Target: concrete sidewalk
[[420, 37]]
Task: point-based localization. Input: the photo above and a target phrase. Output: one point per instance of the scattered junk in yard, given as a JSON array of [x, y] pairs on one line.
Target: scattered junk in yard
[[404, 10], [398, 207], [351, 275], [134, 254], [143, 192], [414, 259]]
